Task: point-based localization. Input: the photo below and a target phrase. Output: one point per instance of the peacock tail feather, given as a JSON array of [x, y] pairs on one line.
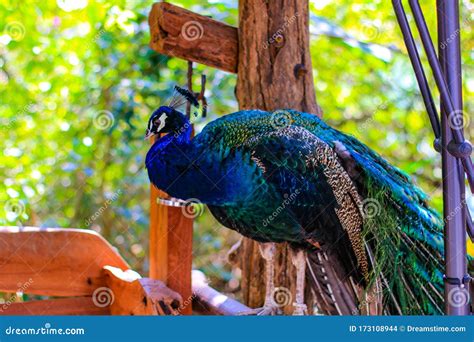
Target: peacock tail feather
[[408, 266], [403, 233]]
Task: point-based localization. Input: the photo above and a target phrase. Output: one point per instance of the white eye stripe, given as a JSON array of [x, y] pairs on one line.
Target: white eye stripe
[[152, 124], [163, 118]]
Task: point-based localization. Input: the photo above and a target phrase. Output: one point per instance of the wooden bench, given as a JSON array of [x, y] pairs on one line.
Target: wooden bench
[[79, 267], [80, 273]]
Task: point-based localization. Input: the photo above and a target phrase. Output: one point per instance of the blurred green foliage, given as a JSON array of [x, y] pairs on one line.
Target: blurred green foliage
[[66, 66]]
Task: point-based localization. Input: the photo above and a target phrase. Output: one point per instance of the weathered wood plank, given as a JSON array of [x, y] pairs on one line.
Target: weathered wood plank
[[132, 295], [180, 33], [54, 261], [61, 306]]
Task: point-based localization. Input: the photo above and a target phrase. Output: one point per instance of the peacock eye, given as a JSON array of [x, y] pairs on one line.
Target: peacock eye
[[156, 122]]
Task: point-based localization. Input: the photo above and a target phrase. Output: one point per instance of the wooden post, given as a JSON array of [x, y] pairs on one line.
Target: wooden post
[[274, 68], [158, 245], [274, 72]]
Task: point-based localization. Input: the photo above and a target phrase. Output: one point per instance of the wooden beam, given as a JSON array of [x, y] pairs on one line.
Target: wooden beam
[[53, 307], [180, 33], [208, 301], [54, 261], [133, 295]]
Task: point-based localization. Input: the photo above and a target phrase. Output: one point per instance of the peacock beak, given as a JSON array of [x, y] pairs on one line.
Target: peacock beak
[[148, 134]]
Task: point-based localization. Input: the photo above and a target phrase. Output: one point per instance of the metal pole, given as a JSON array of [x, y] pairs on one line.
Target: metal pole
[[419, 71], [453, 177]]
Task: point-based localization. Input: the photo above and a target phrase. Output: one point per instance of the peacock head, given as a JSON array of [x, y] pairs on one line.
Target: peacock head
[[165, 120]]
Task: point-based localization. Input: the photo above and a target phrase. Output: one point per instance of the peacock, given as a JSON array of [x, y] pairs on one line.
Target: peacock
[[361, 232]]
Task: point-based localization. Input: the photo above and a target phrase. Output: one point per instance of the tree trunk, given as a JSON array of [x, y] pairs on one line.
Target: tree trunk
[[274, 72]]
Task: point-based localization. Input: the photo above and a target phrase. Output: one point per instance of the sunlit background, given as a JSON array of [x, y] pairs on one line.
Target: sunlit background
[[78, 82]]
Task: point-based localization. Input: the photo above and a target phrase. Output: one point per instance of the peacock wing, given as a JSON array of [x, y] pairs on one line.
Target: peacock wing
[[327, 207], [403, 234]]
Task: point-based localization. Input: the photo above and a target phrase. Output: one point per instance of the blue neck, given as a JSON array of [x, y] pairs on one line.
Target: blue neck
[[165, 158], [186, 169], [183, 136]]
